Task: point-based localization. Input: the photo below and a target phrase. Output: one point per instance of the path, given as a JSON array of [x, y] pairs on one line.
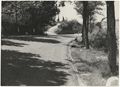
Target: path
[[38, 61]]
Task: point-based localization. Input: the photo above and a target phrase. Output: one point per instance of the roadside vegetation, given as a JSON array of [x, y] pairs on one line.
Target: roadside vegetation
[[70, 27], [96, 56], [95, 50]]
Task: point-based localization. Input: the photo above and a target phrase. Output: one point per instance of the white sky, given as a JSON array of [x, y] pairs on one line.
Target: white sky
[[69, 13]]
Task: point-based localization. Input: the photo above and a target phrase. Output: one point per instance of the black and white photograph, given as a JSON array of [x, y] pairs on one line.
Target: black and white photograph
[[60, 43]]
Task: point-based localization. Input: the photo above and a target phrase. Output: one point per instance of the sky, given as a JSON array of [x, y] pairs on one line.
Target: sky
[[69, 13]]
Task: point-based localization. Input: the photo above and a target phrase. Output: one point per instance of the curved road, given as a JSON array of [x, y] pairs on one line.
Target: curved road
[[52, 50]]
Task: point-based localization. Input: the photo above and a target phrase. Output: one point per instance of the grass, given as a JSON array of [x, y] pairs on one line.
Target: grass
[[92, 65]]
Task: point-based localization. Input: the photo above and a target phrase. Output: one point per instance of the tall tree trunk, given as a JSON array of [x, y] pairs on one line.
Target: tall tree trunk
[[89, 24], [85, 24], [17, 28], [112, 45], [83, 35]]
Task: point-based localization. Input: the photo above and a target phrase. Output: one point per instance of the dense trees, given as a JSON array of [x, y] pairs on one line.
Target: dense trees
[[111, 36], [27, 16], [88, 11]]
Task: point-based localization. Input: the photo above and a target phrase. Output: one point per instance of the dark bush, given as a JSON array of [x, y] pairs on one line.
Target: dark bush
[[70, 27], [98, 38]]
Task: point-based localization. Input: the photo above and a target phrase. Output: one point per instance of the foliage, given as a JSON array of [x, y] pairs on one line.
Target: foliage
[[62, 3], [98, 37], [33, 15], [93, 7], [70, 27]]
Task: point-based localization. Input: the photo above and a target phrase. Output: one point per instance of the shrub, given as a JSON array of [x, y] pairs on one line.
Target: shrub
[[70, 27], [98, 38]]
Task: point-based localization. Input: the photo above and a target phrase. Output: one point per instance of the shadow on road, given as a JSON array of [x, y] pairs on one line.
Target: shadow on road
[[68, 36], [30, 38], [25, 69], [10, 43]]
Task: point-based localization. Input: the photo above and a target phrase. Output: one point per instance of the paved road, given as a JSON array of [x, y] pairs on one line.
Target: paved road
[[52, 50]]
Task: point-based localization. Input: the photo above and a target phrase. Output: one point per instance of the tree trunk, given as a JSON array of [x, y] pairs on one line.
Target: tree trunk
[[83, 35], [17, 28], [85, 24], [89, 24], [112, 45]]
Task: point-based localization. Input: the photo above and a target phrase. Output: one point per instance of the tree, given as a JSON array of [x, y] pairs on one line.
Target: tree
[[112, 46], [42, 15], [85, 24], [14, 14], [93, 7], [33, 15]]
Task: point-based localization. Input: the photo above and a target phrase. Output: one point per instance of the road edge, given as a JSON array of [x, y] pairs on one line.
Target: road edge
[[80, 82]]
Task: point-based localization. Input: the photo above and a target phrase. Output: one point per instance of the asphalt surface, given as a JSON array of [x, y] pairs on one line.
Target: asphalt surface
[[53, 51]]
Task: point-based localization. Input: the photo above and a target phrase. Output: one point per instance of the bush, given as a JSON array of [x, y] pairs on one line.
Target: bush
[[98, 38], [70, 27]]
